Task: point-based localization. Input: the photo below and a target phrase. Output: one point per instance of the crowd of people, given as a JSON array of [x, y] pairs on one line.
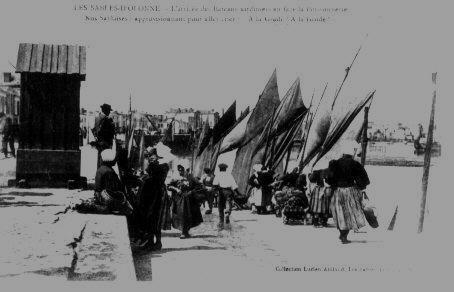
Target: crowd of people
[[158, 198], [336, 192]]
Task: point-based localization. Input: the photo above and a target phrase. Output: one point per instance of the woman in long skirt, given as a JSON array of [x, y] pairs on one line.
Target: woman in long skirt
[[153, 201], [185, 207], [320, 196], [348, 178]]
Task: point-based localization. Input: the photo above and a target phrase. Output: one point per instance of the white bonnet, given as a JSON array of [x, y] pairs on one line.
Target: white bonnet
[[108, 155]]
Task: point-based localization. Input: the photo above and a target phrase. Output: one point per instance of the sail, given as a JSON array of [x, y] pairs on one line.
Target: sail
[[244, 161], [268, 100], [142, 151], [205, 141], [349, 136], [290, 108], [203, 138], [209, 154], [225, 123], [318, 131], [234, 138], [342, 117], [282, 144], [217, 147]]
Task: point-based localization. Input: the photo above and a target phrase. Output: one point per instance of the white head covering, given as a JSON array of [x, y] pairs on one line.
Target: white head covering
[[257, 167], [349, 147], [108, 155]]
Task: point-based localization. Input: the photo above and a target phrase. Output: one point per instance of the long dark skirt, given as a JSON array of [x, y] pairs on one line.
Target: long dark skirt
[[165, 217], [153, 210], [185, 211], [152, 206]]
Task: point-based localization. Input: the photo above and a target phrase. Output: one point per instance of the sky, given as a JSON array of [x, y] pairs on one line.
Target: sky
[[210, 66]]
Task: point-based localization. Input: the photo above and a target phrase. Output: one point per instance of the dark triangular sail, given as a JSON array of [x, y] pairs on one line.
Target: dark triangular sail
[[225, 123], [268, 100], [290, 108], [339, 126]]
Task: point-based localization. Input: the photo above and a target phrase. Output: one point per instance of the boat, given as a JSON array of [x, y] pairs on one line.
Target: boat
[[420, 147]]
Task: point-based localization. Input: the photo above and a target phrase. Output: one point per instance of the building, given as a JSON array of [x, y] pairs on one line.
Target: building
[[49, 136], [10, 96], [187, 120]]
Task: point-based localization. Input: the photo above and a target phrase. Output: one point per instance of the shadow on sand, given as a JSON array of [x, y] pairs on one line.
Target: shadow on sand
[[142, 259]]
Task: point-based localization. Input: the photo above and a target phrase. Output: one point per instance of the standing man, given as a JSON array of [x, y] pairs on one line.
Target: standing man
[[8, 138], [226, 186], [104, 130], [207, 182]]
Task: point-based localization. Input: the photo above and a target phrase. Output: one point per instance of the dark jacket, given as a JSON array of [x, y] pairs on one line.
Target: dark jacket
[[107, 179], [347, 172], [105, 132], [316, 177]]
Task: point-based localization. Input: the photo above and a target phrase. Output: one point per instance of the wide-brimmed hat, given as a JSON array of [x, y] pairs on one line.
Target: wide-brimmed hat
[[106, 107]]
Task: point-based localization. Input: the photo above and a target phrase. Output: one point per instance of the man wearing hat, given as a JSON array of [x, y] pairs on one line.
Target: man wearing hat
[[226, 186], [207, 182], [104, 130]]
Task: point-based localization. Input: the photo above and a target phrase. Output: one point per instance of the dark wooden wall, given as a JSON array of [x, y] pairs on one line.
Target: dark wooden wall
[[49, 111]]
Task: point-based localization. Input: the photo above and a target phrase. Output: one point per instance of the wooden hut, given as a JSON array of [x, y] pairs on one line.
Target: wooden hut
[[49, 154]]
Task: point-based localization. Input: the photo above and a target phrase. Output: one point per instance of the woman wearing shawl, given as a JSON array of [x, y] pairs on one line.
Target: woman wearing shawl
[[109, 191], [185, 208], [154, 203], [348, 178]]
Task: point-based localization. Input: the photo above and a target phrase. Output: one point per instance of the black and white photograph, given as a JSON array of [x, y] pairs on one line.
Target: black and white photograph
[[213, 144]]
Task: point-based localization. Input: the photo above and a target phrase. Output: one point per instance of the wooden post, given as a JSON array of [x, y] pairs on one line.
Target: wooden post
[[425, 176], [364, 138], [393, 220]]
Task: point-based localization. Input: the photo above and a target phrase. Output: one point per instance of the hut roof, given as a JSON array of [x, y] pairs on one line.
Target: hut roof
[[51, 59]]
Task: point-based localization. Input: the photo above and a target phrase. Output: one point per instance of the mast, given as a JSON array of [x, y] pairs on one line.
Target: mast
[[364, 138], [347, 71], [130, 130], [425, 176]]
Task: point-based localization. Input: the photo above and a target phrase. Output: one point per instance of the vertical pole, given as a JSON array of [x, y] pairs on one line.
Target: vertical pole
[[364, 138], [425, 176]]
